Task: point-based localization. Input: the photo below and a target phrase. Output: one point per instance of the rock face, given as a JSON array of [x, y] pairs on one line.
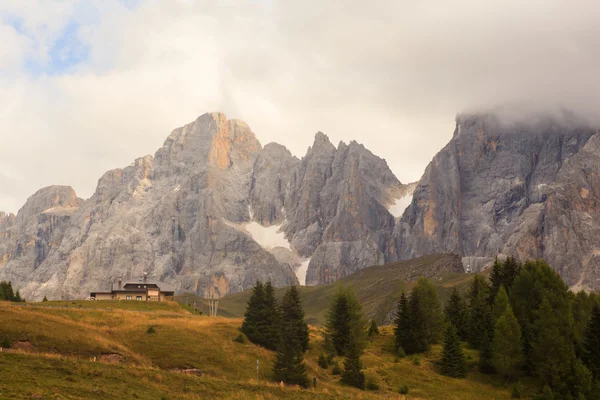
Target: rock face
[[522, 189], [189, 216]]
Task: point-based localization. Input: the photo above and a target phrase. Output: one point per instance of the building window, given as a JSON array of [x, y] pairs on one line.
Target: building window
[[127, 297], [138, 298]]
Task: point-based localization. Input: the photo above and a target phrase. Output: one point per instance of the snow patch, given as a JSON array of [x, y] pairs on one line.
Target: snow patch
[[400, 205], [301, 272], [267, 237], [177, 188]]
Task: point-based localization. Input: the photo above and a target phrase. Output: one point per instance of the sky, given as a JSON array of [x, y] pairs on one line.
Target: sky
[[89, 86]]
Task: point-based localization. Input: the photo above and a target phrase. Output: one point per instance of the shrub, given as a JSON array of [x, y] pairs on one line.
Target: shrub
[[403, 389], [336, 370], [400, 353], [240, 339], [5, 343], [416, 360], [45, 298], [322, 361], [372, 383], [516, 392], [151, 329]]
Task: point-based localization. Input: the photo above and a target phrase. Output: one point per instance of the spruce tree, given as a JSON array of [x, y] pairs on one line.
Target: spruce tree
[[344, 319], [552, 354], [478, 311], [501, 303], [591, 343], [292, 315], [453, 361], [431, 309], [289, 365], [255, 311], [353, 374], [507, 345], [402, 329], [486, 348], [373, 329], [417, 340], [456, 313], [271, 324]]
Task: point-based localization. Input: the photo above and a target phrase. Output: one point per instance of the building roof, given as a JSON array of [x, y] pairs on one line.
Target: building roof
[[162, 286]]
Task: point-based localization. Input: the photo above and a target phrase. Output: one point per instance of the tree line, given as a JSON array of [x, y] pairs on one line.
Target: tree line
[[523, 320], [7, 293]]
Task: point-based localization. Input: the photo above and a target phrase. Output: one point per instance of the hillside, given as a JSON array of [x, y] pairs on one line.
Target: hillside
[[53, 348], [378, 288]]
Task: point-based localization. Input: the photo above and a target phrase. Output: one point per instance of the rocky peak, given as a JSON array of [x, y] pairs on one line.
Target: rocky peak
[[48, 198]]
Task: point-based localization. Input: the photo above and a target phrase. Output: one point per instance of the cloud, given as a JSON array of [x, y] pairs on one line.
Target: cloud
[[85, 88]]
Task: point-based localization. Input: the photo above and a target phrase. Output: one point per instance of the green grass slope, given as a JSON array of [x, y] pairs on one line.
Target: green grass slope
[[378, 288]]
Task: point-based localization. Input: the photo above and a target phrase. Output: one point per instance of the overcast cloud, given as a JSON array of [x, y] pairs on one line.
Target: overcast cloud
[[90, 86]]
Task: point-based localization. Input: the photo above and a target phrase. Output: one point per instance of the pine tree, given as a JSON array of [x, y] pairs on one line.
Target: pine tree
[[453, 361], [262, 320], [45, 298], [552, 353], [478, 311], [456, 313], [486, 348], [418, 328], [289, 365], [500, 303], [431, 309], [591, 343], [344, 319], [292, 315], [353, 374], [18, 298], [373, 329], [271, 324], [507, 344], [402, 329]]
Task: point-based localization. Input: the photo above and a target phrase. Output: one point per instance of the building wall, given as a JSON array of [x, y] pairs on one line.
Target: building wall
[[123, 295], [104, 296]]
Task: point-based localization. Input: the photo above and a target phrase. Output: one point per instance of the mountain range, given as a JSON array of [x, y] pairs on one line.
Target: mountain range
[[213, 210]]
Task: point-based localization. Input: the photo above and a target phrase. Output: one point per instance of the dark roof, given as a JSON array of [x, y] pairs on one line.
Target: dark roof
[[162, 286]]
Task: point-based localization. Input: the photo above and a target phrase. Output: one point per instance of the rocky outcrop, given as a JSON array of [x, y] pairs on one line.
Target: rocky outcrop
[[507, 188], [184, 216]]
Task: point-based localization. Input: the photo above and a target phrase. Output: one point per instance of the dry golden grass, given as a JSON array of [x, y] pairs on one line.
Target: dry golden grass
[[64, 341]]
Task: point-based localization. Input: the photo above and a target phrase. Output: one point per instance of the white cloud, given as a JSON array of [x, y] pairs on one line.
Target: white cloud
[[389, 74]]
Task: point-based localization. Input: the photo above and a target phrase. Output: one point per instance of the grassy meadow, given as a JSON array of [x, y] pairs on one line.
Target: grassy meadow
[[104, 351]]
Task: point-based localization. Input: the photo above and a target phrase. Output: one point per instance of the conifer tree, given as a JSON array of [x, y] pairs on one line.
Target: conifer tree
[[353, 374], [591, 343], [501, 303], [292, 315], [478, 311], [18, 298], [552, 354], [373, 329], [456, 313], [507, 344], [453, 361], [402, 329], [431, 309], [289, 365], [344, 320], [272, 322], [255, 311], [486, 349], [417, 340], [262, 319]]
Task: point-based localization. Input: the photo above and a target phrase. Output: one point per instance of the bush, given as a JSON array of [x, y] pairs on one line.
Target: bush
[[372, 383], [151, 329], [5, 343], [516, 392], [240, 339], [45, 298], [400, 352], [322, 361], [336, 370], [416, 360], [403, 389]]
